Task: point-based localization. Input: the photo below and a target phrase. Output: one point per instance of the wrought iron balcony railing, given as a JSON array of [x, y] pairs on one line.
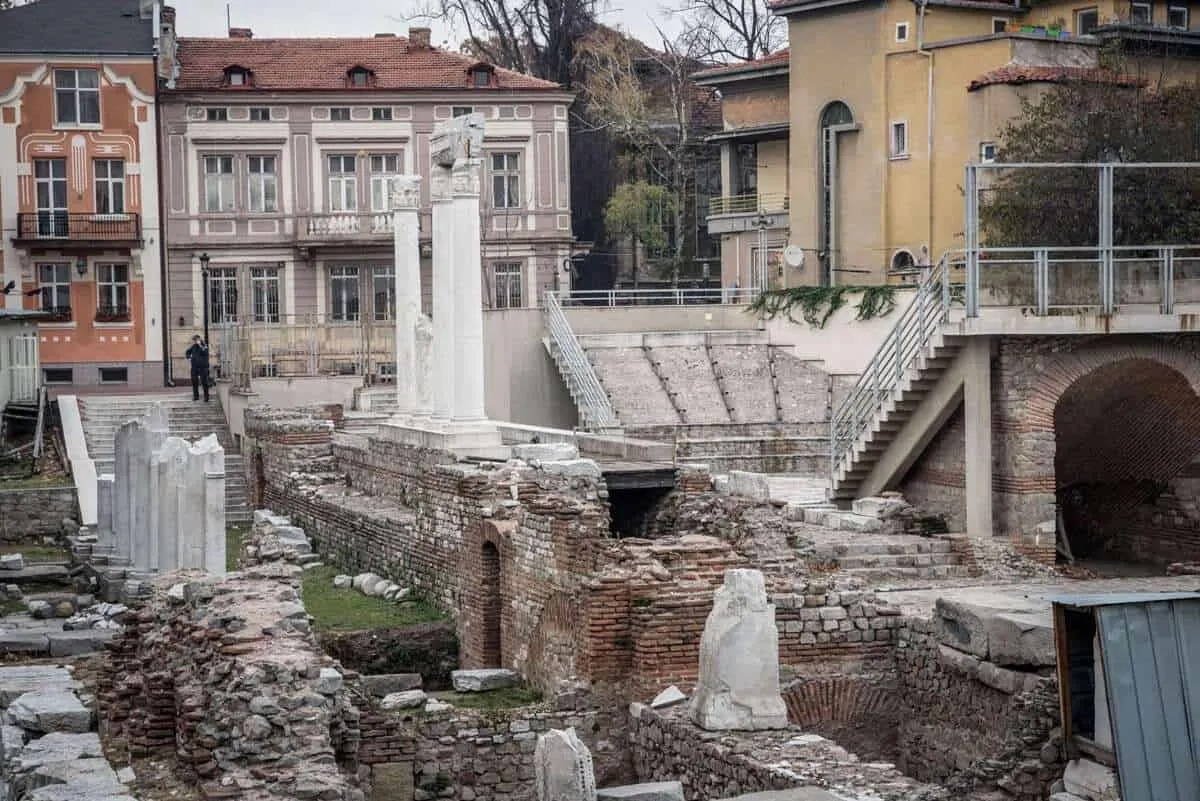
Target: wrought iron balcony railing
[[57, 314], [756, 203], [112, 314], [42, 225]]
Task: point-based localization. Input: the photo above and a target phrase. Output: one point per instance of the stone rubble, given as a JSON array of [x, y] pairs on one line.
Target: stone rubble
[[50, 751]]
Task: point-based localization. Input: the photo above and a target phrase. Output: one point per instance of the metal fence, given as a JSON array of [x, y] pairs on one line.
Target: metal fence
[[660, 296], [1075, 235]]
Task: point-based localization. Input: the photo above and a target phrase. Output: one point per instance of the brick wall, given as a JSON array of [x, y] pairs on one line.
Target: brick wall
[[465, 755], [29, 515], [936, 484]]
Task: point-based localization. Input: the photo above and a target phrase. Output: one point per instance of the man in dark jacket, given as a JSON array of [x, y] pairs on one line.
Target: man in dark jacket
[[197, 354]]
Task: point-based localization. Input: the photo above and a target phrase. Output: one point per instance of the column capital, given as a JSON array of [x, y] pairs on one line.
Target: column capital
[[466, 178], [406, 193]]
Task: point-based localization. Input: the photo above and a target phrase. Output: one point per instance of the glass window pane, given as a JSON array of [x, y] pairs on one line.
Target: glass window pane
[[89, 107], [65, 106], [89, 79], [64, 79]]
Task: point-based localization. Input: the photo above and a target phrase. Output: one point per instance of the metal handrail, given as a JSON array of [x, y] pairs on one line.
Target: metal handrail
[[660, 296], [594, 406], [904, 345], [749, 203]]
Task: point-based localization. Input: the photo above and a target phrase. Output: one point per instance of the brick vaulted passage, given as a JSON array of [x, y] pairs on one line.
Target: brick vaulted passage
[[1122, 432]]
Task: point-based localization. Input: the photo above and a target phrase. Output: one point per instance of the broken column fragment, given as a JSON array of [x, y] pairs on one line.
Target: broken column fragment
[[563, 766], [738, 688]]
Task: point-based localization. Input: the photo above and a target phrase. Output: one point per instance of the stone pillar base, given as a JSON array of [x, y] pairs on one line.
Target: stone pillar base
[[480, 438]]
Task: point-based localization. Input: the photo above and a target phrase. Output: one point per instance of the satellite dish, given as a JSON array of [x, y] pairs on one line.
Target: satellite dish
[[793, 257]]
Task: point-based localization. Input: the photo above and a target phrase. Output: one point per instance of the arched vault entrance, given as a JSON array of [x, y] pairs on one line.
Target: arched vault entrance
[[1123, 432]]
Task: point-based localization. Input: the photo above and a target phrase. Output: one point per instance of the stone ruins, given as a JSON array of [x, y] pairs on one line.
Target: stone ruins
[[738, 686], [162, 510], [564, 768]]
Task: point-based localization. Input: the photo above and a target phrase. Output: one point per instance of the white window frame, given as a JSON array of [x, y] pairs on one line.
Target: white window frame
[[508, 280], [383, 277], [260, 114], [343, 184], [1148, 8], [984, 158], [262, 184], [112, 286], [219, 183], [222, 295], [79, 97], [109, 175], [506, 179], [381, 113], [335, 113], [1004, 22], [216, 114], [345, 306], [237, 77], [1187, 17], [461, 111], [264, 293], [901, 32], [898, 144], [54, 277], [383, 167]]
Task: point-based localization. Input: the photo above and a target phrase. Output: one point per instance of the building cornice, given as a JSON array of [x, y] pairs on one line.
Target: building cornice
[[251, 97], [743, 75]]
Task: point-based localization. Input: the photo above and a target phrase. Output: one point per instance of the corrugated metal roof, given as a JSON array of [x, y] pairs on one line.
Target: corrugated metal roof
[[1085, 601]]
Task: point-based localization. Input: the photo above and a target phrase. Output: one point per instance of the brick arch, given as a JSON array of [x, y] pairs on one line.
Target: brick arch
[[857, 713], [1058, 373], [485, 575]]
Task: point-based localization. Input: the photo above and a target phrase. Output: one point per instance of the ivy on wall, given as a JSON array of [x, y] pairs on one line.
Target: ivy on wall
[[816, 304]]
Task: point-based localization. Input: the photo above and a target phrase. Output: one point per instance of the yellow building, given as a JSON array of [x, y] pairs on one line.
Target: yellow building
[[889, 99]]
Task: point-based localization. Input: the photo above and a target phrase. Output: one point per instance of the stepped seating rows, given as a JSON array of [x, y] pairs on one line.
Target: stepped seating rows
[[688, 375], [634, 389], [103, 414], [802, 388], [745, 374]]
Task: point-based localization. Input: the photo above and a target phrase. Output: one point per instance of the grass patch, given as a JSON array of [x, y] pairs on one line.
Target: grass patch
[[508, 698], [235, 539], [35, 482], [8, 607], [335, 609], [38, 553]]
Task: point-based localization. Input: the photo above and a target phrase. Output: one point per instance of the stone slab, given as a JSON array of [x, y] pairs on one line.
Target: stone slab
[[668, 697], [479, 681], [1091, 780], [652, 791], [793, 794], [61, 746], [388, 683], [546, 452], [408, 699], [963, 625], [1021, 640], [50, 711], [76, 643], [38, 574], [17, 680], [24, 642]]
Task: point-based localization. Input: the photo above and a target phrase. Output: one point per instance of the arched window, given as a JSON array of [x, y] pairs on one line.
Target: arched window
[[903, 261], [834, 118]]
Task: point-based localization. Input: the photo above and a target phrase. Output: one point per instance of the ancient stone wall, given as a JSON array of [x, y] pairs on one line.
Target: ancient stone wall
[[971, 724], [467, 755], [936, 484], [226, 675], [28, 515]]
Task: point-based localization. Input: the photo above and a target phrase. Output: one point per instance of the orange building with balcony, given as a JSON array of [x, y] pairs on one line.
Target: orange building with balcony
[[79, 186]]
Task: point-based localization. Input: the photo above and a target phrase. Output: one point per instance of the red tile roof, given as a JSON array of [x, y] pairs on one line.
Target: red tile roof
[[777, 59], [322, 64], [1018, 74]]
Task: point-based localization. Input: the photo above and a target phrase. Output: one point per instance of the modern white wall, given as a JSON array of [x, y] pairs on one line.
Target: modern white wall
[[845, 344]]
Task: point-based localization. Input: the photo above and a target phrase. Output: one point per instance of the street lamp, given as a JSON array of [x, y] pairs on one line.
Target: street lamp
[[204, 283]]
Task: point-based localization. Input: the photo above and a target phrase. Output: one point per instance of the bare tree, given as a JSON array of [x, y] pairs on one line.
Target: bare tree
[[729, 30], [535, 37]]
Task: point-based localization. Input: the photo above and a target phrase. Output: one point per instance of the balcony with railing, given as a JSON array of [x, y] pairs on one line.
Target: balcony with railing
[[56, 314], [735, 213], [346, 226], [113, 314], [65, 229]]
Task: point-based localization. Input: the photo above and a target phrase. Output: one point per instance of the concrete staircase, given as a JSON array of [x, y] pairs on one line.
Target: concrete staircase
[[902, 397], [102, 415]]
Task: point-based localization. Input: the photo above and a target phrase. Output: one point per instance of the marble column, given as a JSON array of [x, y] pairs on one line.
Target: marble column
[[406, 204], [211, 456], [106, 541], [468, 400], [148, 439], [122, 517], [170, 462], [442, 276]]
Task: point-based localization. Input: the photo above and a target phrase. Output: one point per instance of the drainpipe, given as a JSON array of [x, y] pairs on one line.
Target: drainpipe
[[922, 6]]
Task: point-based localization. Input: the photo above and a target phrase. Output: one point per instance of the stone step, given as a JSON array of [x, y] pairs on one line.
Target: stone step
[[892, 561], [900, 547], [875, 575]]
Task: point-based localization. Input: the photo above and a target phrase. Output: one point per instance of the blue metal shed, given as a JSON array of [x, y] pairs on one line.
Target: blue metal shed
[[1139, 708]]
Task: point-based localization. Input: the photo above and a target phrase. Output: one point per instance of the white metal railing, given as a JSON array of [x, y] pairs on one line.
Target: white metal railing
[[594, 406], [662, 296], [751, 203], [902, 349], [1044, 281]]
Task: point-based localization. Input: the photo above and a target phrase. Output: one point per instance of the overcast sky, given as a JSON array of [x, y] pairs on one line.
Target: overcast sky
[[279, 18]]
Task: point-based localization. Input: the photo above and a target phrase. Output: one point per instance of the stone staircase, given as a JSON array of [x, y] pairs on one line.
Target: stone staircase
[[102, 415], [906, 368], [890, 557]]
